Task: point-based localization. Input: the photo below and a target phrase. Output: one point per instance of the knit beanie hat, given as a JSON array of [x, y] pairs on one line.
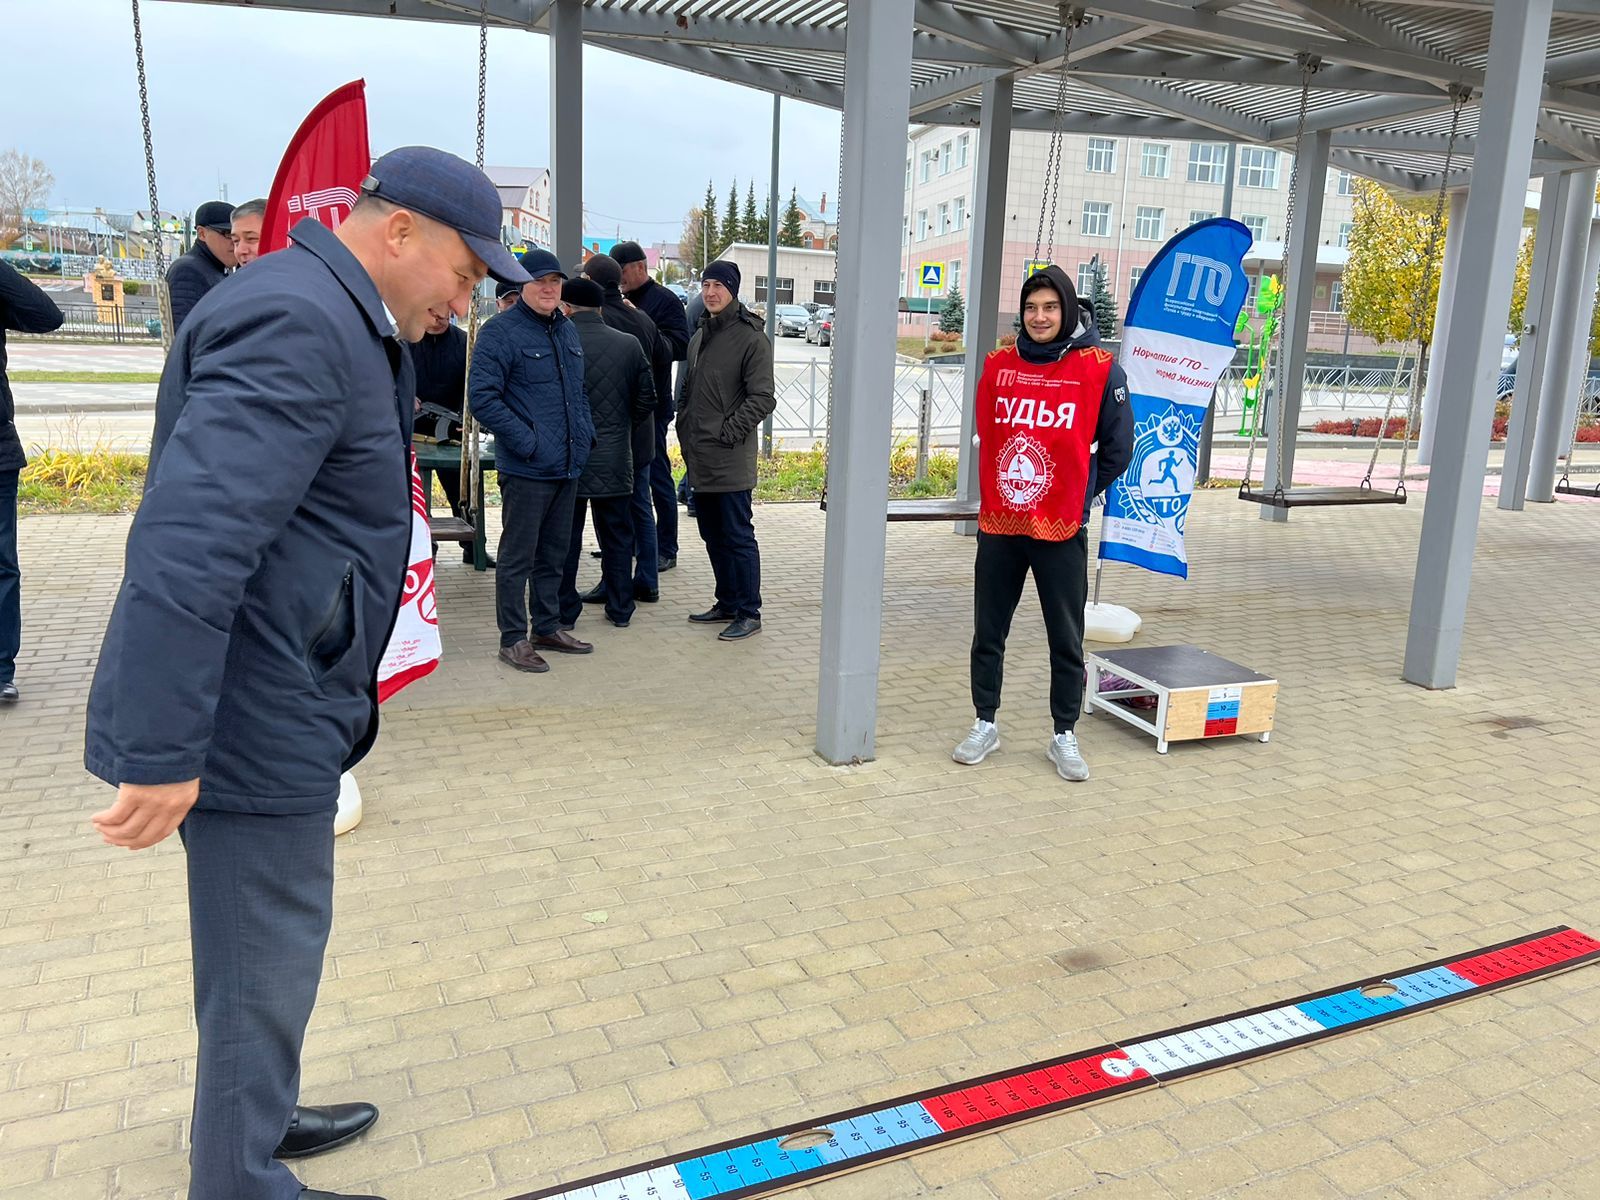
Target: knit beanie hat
[[725, 273]]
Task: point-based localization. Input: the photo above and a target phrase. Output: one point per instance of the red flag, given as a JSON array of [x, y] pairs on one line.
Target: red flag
[[321, 172]]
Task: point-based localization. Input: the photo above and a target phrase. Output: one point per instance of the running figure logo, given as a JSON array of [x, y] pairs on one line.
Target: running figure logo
[[1025, 471]]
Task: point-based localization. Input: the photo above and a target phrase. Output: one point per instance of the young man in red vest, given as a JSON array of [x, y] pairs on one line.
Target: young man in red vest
[[1054, 430]]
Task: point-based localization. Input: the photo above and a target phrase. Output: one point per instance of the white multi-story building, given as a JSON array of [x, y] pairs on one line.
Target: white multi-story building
[[1119, 199], [524, 204]]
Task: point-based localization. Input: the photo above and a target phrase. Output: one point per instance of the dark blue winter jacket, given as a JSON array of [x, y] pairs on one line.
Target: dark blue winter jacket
[[266, 562], [526, 388]]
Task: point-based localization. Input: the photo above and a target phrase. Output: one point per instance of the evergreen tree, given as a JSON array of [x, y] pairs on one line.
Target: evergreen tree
[[754, 229], [789, 233], [953, 317], [1101, 300], [731, 231], [709, 230]]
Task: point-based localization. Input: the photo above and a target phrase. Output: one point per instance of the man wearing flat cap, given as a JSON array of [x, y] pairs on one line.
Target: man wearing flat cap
[[526, 387], [728, 395], [208, 261], [264, 570]]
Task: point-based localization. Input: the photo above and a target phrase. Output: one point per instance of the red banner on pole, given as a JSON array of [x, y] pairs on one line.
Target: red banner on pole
[[321, 172]]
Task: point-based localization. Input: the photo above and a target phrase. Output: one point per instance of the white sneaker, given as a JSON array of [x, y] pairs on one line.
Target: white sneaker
[[981, 741], [1063, 751]]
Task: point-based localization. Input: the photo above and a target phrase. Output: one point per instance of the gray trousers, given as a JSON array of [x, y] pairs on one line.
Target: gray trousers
[[260, 907]]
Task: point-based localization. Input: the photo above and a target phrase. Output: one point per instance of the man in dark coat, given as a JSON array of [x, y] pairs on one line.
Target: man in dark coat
[[25, 308], [616, 379], [666, 310], [526, 387], [728, 395], [210, 259], [696, 312], [238, 676], [618, 313], [440, 359]]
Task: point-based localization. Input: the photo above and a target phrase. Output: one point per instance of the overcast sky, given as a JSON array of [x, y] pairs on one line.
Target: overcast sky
[[228, 86]]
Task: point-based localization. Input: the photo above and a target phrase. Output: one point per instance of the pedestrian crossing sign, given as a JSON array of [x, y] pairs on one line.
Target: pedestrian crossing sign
[[932, 274]]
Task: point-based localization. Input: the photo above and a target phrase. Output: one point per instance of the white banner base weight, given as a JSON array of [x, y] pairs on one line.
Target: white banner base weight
[[349, 814], [1109, 623]]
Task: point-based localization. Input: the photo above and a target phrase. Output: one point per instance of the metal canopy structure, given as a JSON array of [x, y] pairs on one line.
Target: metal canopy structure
[[1222, 69], [1382, 77]]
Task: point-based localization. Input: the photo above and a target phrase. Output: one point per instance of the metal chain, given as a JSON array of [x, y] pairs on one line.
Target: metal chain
[[1419, 308], [1309, 65], [163, 300], [1070, 20], [471, 467]]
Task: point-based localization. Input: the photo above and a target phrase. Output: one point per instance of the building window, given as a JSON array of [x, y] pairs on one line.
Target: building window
[[1208, 162], [945, 158], [1347, 184], [1102, 156], [905, 231], [822, 291], [1133, 278], [925, 172], [1346, 228], [963, 149], [1256, 225], [908, 174], [1258, 167], [1336, 300], [1155, 160], [944, 219], [1085, 278], [955, 274], [1148, 223], [1196, 215], [1096, 218], [922, 224], [961, 212], [902, 283]]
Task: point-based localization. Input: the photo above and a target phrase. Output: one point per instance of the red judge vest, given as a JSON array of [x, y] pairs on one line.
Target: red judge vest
[[1036, 424]]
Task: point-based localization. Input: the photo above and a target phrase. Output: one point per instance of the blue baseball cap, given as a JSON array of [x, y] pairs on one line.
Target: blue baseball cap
[[539, 263], [451, 191]]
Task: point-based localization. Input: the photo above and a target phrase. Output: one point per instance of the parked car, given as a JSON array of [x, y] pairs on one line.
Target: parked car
[[820, 328], [792, 320], [1507, 383]]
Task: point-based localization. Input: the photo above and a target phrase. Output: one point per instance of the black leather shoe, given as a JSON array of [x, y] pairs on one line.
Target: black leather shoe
[[594, 554], [742, 628], [315, 1128], [714, 615], [309, 1194], [666, 562], [466, 557], [646, 595], [595, 595], [9, 693]]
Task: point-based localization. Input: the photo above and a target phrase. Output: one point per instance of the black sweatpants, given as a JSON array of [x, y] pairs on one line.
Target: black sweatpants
[[535, 530], [1061, 575]]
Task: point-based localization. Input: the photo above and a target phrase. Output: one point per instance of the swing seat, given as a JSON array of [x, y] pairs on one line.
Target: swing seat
[[1321, 497], [1567, 488], [451, 529], [938, 508]]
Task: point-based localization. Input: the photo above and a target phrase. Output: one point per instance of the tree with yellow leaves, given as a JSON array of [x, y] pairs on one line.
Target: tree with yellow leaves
[[1519, 286], [1390, 242]]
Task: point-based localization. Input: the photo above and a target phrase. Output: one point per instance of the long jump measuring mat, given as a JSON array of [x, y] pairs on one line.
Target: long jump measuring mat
[[779, 1160]]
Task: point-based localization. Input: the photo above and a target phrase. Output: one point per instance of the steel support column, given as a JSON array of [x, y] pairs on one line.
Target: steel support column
[[876, 111], [1440, 347], [1569, 363], [1541, 313], [1513, 80], [566, 131], [987, 266], [1311, 181]]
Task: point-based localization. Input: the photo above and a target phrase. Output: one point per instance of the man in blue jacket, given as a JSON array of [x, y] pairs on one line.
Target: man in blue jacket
[[237, 678], [526, 388], [25, 308]]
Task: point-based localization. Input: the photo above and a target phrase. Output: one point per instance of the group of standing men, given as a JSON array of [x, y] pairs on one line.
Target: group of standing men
[[574, 377]]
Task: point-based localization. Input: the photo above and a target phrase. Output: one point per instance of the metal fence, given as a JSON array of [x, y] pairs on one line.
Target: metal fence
[[802, 394], [139, 324]]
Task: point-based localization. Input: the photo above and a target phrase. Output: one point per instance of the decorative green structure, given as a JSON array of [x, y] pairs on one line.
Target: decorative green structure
[[1258, 340]]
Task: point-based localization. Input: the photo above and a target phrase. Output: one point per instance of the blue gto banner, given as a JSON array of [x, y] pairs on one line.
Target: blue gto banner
[[1176, 342]]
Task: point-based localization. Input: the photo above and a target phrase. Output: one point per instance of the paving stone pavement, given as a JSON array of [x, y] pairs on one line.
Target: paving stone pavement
[[620, 910]]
